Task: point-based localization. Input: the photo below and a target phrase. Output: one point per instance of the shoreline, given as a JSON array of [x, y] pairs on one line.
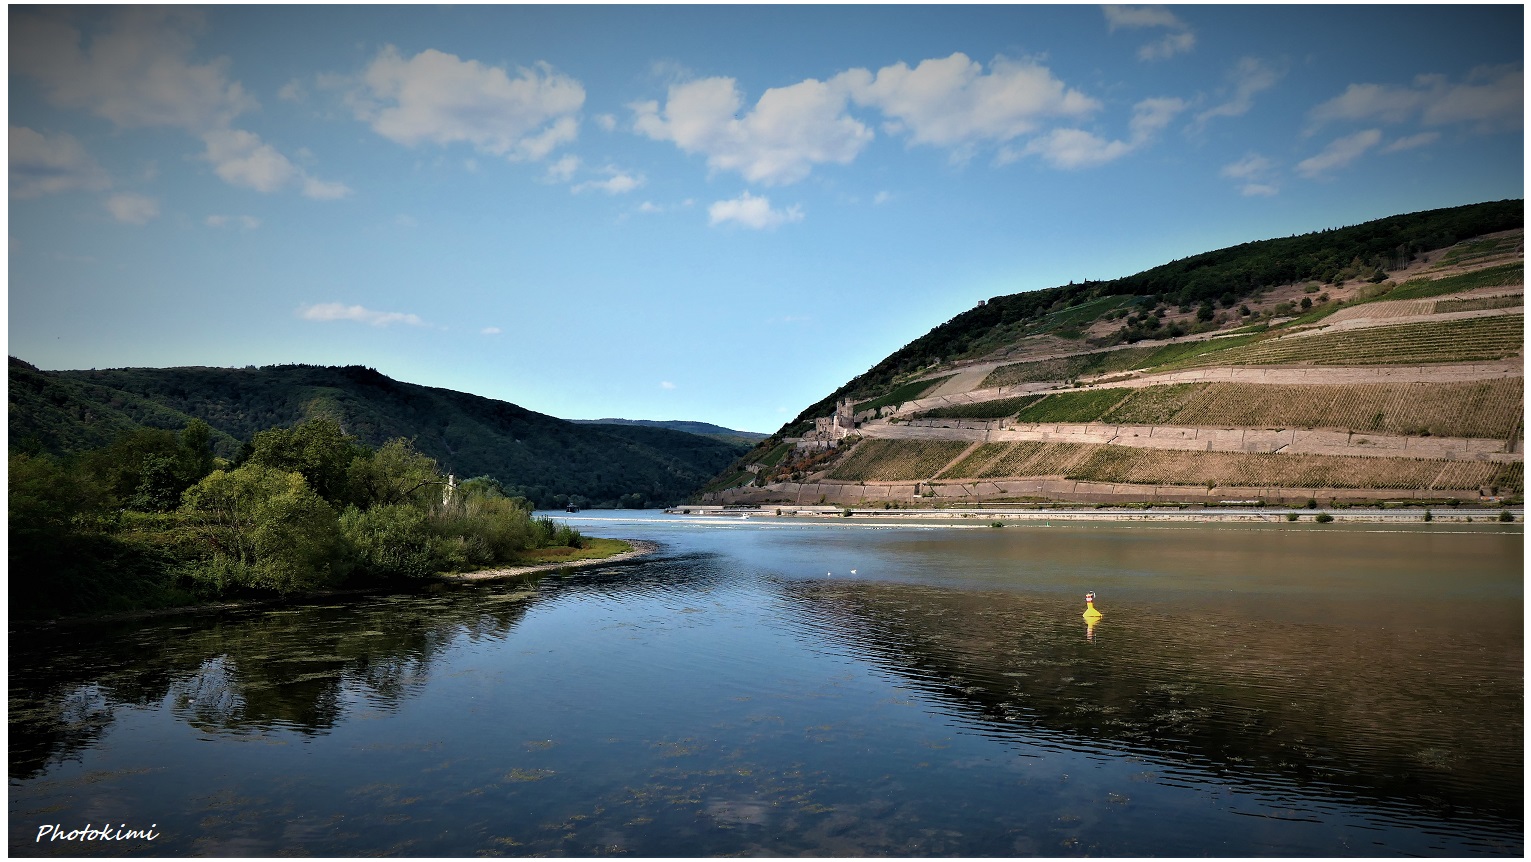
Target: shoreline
[[1247, 514], [640, 548]]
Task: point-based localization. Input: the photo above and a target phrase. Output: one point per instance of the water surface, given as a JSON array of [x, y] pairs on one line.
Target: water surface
[[781, 688]]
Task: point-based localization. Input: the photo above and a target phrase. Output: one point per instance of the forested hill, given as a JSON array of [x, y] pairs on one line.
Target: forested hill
[[1222, 278], [537, 456], [706, 428]]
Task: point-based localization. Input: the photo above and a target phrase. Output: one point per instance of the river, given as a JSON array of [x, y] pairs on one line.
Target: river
[[786, 688]]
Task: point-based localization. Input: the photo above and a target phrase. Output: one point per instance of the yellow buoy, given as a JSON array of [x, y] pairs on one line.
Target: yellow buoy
[[1090, 613]]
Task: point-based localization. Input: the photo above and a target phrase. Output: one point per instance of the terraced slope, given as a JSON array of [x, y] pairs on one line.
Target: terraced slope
[[1413, 387], [1482, 339]]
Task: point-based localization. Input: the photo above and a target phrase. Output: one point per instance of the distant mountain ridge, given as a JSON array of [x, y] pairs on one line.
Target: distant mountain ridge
[[538, 456], [704, 428]]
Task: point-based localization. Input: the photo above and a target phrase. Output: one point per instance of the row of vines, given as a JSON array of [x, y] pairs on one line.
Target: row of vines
[[1487, 409], [919, 460]]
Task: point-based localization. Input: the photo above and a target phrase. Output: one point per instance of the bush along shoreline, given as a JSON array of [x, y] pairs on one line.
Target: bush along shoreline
[[155, 521]]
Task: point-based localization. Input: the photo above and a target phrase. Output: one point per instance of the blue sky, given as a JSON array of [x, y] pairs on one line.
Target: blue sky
[[714, 213]]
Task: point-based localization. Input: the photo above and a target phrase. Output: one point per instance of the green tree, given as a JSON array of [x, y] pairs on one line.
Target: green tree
[[64, 555], [486, 487], [392, 540], [394, 474], [148, 468], [197, 447], [264, 528], [45, 499], [318, 449]]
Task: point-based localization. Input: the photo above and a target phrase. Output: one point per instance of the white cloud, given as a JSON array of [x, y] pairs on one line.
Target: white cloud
[[1250, 76], [136, 73], [1168, 46], [1255, 175], [616, 183], [1179, 41], [1370, 102], [1071, 148], [328, 311], [1423, 139], [242, 159], [439, 98], [650, 208], [292, 91], [562, 170], [1491, 98], [953, 102], [1075, 148], [244, 221], [1150, 116], [130, 208], [607, 122], [788, 132], [46, 164], [1249, 167], [1339, 153], [665, 384], [881, 198], [323, 190], [752, 212], [490, 330]]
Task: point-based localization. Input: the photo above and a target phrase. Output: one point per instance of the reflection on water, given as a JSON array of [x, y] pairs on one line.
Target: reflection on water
[[1270, 692], [237, 673], [1279, 704]]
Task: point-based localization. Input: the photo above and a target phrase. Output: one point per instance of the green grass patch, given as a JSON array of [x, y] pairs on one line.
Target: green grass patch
[[1081, 315], [1479, 339], [1170, 354], [996, 409], [773, 457], [729, 480], [1493, 276], [1084, 406], [594, 549], [1154, 405], [1479, 248], [1068, 367], [1262, 326], [1107, 361], [908, 392], [1313, 315]]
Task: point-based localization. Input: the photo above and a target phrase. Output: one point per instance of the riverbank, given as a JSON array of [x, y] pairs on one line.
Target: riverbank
[[1185, 514], [636, 548]]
